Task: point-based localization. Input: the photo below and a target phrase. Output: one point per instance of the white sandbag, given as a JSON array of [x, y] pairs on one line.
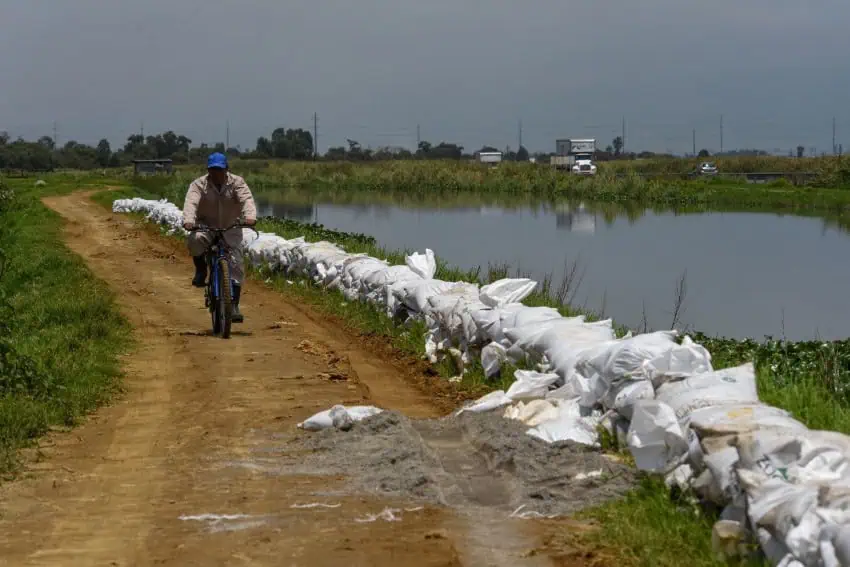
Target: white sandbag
[[570, 425], [627, 356], [576, 387], [448, 305], [736, 419], [530, 385], [488, 402], [678, 362], [623, 394], [415, 294], [387, 276], [566, 357], [527, 337], [505, 291], [835, 545], [533, 413], [338, 415], [468, 327], [655, 439], [493, 322], [423, 265], [528, 316], [492, 357], [728, 386], [357, 269], [720, 484]]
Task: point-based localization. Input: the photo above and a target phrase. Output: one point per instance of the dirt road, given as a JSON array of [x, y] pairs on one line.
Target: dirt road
[[164, 476]]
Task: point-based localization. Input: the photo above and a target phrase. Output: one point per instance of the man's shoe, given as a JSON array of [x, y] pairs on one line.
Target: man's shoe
[[200, 279], [236, 315]]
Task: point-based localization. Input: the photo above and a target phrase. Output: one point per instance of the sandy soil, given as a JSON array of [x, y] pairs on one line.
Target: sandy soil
[[176, 472]]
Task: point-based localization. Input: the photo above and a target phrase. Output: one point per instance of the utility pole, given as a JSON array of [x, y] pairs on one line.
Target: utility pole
[[143, 130], [227, 136], [315, 135], [623, 135], [418, 138], [833, 135], [721, 133], [519, 132], [55, 139], [695, 142]]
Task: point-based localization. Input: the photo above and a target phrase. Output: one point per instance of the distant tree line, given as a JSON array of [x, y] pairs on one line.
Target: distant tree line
[[283, 143]]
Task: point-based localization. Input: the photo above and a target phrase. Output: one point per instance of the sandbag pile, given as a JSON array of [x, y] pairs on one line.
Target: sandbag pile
[[655, 392]]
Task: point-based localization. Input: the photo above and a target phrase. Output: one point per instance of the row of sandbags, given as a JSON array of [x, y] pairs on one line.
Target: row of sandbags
[[657, 394]]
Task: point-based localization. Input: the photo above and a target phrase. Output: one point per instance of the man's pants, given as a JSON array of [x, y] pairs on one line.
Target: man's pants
[[198, 242]]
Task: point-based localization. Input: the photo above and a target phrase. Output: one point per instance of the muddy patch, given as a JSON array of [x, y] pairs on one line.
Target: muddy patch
[[471, 461]]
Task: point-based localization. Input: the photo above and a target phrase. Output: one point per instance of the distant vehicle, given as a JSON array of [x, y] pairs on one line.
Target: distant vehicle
[[490, 157], [576, 155], [707, 168]]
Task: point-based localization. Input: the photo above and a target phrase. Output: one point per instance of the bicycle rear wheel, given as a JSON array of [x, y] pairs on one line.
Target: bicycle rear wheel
[[224, 303]]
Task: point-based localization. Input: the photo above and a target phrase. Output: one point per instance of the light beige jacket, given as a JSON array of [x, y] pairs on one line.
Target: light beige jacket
[[219, 208]]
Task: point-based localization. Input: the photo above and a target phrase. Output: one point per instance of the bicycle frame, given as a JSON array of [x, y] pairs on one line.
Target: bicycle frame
[[217, 250]]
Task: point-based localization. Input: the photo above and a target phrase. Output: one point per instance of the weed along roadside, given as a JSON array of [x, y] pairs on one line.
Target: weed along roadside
[[60, 331], [713, 418]]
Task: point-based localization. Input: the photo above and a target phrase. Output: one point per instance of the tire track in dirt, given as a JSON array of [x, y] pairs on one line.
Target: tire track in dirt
[[132, 485]]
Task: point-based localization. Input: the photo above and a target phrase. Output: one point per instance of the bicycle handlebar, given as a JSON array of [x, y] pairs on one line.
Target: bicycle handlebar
[[202, 228]]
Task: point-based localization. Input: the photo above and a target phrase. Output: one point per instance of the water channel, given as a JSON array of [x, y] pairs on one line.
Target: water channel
[[746, 274]]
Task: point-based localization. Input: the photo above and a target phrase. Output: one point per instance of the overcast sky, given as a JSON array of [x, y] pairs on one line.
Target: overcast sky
[[464, 70]]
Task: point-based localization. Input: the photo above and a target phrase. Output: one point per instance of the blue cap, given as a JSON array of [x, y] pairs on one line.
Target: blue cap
[[217, 160]]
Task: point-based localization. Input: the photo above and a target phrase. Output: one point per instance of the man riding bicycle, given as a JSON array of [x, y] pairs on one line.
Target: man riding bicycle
[[217, 200]]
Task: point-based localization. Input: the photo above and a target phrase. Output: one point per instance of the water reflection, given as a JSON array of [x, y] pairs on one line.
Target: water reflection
[[301, 213], [575, 220]]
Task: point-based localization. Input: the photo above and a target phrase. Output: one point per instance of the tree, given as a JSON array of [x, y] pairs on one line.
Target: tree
[[522, 154], [336, 153], [618, 145], [703, 153], [609, 149], [47, 142], [264, 147], [104, 153], [800, 151], [445, 150]]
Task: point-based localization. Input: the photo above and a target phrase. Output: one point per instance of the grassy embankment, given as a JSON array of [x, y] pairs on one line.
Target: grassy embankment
[[438, 184], [648, 528], [60, 331]]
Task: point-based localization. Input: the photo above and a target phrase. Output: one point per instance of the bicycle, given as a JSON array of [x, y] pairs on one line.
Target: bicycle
[[218, 297]]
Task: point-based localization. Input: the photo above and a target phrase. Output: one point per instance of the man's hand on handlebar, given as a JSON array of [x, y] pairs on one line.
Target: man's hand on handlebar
[[188, 225], [250, 222]]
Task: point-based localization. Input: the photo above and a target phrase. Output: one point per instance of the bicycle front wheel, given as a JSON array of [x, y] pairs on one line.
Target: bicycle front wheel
[[224, 304]]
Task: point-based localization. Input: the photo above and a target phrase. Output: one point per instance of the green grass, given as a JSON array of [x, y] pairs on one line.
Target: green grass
[[431, 182], [809, 379], [64, 331]]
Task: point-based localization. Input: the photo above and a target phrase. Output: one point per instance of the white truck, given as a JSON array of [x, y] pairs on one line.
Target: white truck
[[575, 155], [492, 158]]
